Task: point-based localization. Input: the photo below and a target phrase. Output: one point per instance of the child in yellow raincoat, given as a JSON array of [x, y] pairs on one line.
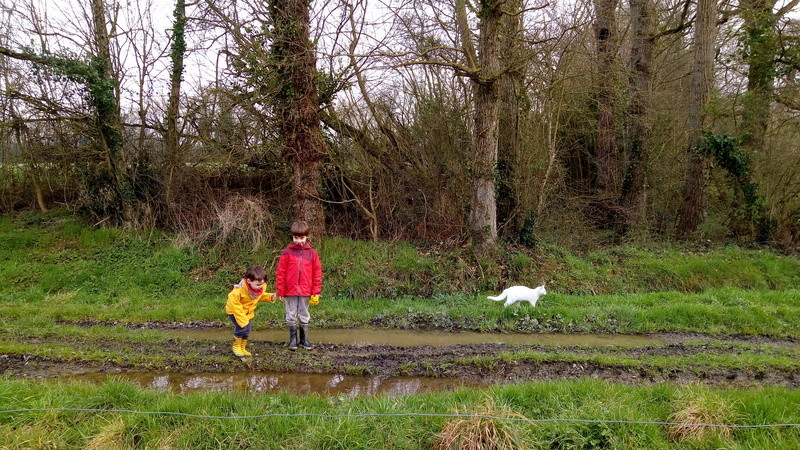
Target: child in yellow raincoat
[[241, 306]]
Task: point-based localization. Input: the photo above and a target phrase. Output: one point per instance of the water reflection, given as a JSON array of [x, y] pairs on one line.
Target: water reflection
[[295, 383]]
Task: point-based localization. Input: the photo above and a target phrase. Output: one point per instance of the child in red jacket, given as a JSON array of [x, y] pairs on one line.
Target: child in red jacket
[[298, 283]]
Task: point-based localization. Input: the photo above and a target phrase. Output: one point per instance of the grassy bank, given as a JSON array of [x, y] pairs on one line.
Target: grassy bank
[[368, 422], [56, 253], [54, 269]]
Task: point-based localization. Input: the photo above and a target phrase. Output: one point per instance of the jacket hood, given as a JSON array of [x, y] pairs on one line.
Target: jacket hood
[[246, 285]]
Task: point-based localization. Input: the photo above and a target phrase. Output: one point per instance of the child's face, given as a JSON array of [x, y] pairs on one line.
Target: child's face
[[255, 284], [299, 239]]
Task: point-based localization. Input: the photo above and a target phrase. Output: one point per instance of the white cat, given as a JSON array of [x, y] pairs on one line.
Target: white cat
[[516, 294]]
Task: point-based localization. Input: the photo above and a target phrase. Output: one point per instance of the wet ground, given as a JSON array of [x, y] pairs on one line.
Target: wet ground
[[376, 361], [339, 385], [415, 338]]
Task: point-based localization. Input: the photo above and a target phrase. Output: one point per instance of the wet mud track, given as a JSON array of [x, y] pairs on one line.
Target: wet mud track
[[491, 363]]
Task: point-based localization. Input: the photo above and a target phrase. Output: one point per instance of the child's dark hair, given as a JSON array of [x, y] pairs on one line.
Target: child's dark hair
[[256, 273], [300, 228]]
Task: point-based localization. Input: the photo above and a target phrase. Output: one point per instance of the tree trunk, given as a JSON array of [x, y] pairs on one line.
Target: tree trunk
[[109, 122], [513, 104], [762, 47], [297, 107], [483, 215], [694, 188], [178, 48], [30, 155], [606, 153], [633, 199], [749, 213]]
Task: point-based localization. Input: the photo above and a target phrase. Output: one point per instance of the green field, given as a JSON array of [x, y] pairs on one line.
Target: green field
[[76, 296]]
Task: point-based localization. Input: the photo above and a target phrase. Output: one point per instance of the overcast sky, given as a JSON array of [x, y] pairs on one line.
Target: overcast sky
[[68, 20]]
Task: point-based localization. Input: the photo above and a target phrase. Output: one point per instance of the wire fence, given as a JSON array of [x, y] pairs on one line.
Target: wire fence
[[365, 415]]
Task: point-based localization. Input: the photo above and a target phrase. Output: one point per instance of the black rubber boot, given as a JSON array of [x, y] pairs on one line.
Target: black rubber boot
[[292, 338], [304, 337]]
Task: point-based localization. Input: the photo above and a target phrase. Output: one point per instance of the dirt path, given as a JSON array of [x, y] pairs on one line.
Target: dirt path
[[494, 363]]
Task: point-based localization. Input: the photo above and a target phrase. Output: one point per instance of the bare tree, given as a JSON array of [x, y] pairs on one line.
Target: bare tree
[[475, 55], [487, 70], [514, 104], [633, 200], [177, 53], [109, 121], [297, 106], [606, 151], [108, 187], [694, 187]]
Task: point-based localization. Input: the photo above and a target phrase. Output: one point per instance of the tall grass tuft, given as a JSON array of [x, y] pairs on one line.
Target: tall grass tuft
[[481, 430], [695, 409], [109, 437]]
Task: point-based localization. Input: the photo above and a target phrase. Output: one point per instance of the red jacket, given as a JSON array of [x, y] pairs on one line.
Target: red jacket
[[299, 271]]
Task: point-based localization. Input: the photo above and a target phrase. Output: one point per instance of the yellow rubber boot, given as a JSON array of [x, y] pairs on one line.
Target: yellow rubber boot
[[243, 349], [237, 347]]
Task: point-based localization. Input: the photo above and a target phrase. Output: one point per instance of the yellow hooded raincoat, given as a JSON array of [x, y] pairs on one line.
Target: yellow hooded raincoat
[[242, 306]]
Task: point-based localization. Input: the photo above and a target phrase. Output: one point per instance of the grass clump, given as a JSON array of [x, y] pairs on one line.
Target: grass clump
[[109, 437], [481, 428], [699, 416]]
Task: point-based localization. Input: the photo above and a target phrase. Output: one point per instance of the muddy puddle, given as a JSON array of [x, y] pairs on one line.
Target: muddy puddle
[[410, 338], [326, 385], [346, 385]]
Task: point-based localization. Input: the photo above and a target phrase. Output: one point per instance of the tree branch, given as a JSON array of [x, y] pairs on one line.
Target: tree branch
[[460, 69], [26, 56], [788, 102], [683, 24], [463, 30], [787, 8], [41, 104], [18, 121]]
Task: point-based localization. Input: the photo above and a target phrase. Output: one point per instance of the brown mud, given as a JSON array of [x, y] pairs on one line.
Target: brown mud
[[492, 363]]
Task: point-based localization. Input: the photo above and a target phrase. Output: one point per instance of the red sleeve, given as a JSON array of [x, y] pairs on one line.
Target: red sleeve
[[316, 284], [280, 276]]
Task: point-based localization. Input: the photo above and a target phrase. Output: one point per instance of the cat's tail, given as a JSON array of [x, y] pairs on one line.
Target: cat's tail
[[499, 297]]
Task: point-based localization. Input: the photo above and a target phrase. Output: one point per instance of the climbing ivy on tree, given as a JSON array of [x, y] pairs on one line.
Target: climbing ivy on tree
[[107, 189], [749, 219]]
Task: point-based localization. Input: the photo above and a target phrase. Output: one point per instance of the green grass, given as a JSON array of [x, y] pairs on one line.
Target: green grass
[[69, 255], [629, 269], [54, 268], [564, 401], [723, 311], [746, 357]]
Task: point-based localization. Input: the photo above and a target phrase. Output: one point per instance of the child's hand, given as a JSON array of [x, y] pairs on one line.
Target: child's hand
[[269, 297], [280, 299], [314, 300]]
